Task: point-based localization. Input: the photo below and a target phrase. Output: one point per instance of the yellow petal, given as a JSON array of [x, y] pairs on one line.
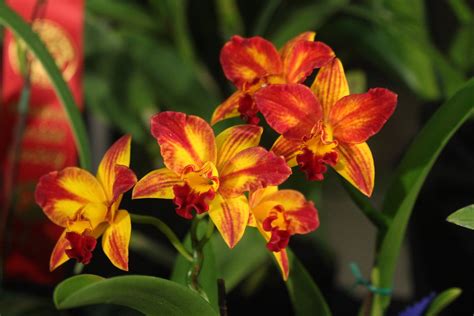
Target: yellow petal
[[58, 256], [356, 165], [185, 140], [287, 148], [227, 109], [116, 239], [62, 194], [118, 154], [230, 217], [157, 184], [330, 85], [235, 139]]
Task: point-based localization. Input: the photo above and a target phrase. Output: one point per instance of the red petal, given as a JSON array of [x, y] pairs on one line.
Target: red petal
[[290, 109], [357, 117], [245, 60], [251, 169]]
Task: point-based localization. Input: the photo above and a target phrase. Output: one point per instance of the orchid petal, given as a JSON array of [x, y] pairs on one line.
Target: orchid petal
[[357, 117], [330, 85], [245, 60], [116, 239], [227, 109], [184, 140], [125, 179], [288, 47], [251, 169], [301, 214], [117, 154], [287, 148], [59, 256], [281, 258], [230, 215], [290, 109], [356, 165], [301, 55], [157, 184], [62, 194], [235, 139]]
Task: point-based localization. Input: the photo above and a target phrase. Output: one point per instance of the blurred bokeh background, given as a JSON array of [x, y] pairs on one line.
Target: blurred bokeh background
[[141, 57]]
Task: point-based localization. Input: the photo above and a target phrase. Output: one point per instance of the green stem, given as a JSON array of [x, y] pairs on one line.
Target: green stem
[[22, 30], [166, 230], [379, 219]]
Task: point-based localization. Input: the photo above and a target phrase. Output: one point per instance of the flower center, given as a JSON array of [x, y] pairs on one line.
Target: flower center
[[198, 190], [82, 246], [277, 224], [318, 152]]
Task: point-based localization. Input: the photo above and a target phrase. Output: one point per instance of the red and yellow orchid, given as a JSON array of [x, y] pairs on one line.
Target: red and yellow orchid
[[88, 207], [210, 174], [253, 63], [279, 214], [325, 125]]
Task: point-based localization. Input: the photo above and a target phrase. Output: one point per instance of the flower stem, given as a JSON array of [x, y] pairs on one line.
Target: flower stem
[[166, 230]]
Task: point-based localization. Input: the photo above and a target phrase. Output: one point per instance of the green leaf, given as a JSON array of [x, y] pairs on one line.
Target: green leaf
[[208, 275], [394, 50], [229, 18], [126, 13], [235, 264], [442, 300], [149, 295], [411, 174], [304, 293], [22, 30], [463, 217], [305, 18]]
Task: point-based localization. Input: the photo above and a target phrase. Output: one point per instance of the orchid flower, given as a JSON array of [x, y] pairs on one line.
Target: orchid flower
[[325, 125], [253, 63], [88, 207], [210, 174], [279, 214]]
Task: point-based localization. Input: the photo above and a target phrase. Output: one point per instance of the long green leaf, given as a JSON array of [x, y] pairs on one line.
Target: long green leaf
[[443, 300], [410, 177], [146, 294], [463, 217], [304, 293], [22, 30], [235, 264]]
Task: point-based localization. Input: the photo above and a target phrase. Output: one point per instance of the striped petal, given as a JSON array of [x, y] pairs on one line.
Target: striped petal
[[116, 239], [125, 179], [288, 149], [184, 140], [227, 109], [157, 184], [235, 139], [301, 55], [245, 60], [230, 215], [107, 173], [290, 109], [356, 165], [357, 117], [330, 85], [58, 256], [288, 47], [252, 169], [61, 194], [281, 258]]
